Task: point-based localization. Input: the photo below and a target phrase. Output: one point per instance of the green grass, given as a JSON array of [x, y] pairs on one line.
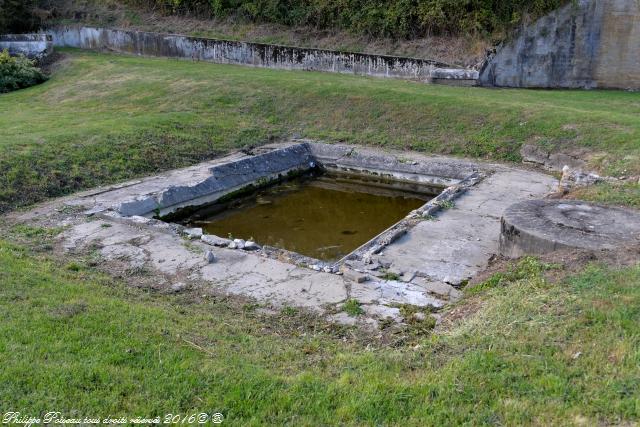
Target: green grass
[[353, 308], [529, 351], [535, 353], [627, 194], [105, 118]]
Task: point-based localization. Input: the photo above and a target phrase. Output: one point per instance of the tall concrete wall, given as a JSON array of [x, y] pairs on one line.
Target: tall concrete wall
[[34, 46], [585, 44], [256, 54]]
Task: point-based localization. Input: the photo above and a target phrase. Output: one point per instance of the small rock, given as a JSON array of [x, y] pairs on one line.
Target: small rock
[[178, 287], [419, 316], [232, 245], [239, 243], [572, 178], [327, 270], [315, 267], [355, 276], [139, 219], [250, 246], [343, 319], [210, 257], [193, 233], [215, 241]]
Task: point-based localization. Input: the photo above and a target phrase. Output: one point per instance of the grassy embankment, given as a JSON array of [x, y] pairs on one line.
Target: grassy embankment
[[533, 352], [105, 118], [530, 351]]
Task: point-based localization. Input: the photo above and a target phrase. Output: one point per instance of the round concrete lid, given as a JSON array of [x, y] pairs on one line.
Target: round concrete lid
[[541, 226]]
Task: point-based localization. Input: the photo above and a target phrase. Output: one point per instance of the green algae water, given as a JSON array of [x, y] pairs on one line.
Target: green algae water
[[321, 217]]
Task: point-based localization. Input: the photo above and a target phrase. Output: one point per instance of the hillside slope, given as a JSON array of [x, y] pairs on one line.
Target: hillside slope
[[106, 118], [466, 48]]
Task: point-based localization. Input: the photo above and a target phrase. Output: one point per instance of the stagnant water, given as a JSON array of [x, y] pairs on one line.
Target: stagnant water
[[320, 217]]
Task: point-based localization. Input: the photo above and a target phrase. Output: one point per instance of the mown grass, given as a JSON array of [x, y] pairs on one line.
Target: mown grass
[[621, 194], [529, 351], [533, 352], [105, 118]]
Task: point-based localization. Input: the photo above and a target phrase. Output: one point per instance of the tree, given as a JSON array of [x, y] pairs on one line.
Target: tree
[[17, 16]]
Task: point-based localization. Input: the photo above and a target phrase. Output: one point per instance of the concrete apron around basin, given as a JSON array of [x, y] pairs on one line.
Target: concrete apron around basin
[[420, 261]]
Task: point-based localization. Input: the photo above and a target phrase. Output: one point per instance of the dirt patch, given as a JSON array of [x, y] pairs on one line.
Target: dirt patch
[[53, 62]]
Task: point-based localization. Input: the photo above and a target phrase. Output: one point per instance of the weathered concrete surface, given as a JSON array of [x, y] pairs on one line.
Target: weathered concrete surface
[[585, 44], [432, 257], [537, 227], [458, 244], [258, 55], [225, 179], [424, 170], [33, 46], [207, 182]]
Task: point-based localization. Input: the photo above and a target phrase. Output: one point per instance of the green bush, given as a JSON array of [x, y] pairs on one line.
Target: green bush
[[391, 18], [18, 72]]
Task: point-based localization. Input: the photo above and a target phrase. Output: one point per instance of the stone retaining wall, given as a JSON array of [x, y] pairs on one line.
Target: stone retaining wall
[[258, 55], [585, 44], [34, 46]]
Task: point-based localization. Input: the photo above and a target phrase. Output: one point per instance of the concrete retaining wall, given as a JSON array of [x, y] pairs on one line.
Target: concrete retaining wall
[[586, 44], [34, 46], [258, 55]]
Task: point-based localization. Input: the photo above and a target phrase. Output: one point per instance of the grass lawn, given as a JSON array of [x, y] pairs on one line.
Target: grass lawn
[[538, 345], [534, 352], [105, 118]]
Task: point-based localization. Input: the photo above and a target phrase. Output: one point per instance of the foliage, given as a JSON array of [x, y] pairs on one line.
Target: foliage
[[18, 16], [394, 18], [18, 72], [353, 308]]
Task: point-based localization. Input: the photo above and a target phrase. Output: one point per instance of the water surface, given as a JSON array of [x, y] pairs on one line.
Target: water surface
[[323, 218]]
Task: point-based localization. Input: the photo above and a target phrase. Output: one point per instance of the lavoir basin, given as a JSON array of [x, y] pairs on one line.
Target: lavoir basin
[[320, 215]]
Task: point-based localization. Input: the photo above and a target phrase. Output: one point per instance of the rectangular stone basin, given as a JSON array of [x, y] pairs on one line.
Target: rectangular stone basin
[[321, 214]]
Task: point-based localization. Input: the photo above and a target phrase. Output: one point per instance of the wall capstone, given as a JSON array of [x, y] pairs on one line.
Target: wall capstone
[[258, 55]]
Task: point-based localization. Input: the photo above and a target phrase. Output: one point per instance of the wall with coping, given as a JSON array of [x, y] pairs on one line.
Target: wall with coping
[[34, 46], [585, 44], [257, 54]]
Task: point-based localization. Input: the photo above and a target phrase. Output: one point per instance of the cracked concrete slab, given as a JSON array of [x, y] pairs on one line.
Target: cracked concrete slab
[[459, 242], [432, 254]]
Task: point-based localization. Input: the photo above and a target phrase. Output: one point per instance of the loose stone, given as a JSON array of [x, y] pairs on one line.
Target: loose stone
[[419, 316], [193, 233], [178, 287], [355, 276], [215, 241], [250, 246], [210, 257]]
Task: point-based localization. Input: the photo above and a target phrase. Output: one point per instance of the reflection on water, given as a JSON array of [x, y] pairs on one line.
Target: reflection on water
[[323, 218]]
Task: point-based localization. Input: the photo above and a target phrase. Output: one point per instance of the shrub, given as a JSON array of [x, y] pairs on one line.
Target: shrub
[[390, 18], [18, 72]]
